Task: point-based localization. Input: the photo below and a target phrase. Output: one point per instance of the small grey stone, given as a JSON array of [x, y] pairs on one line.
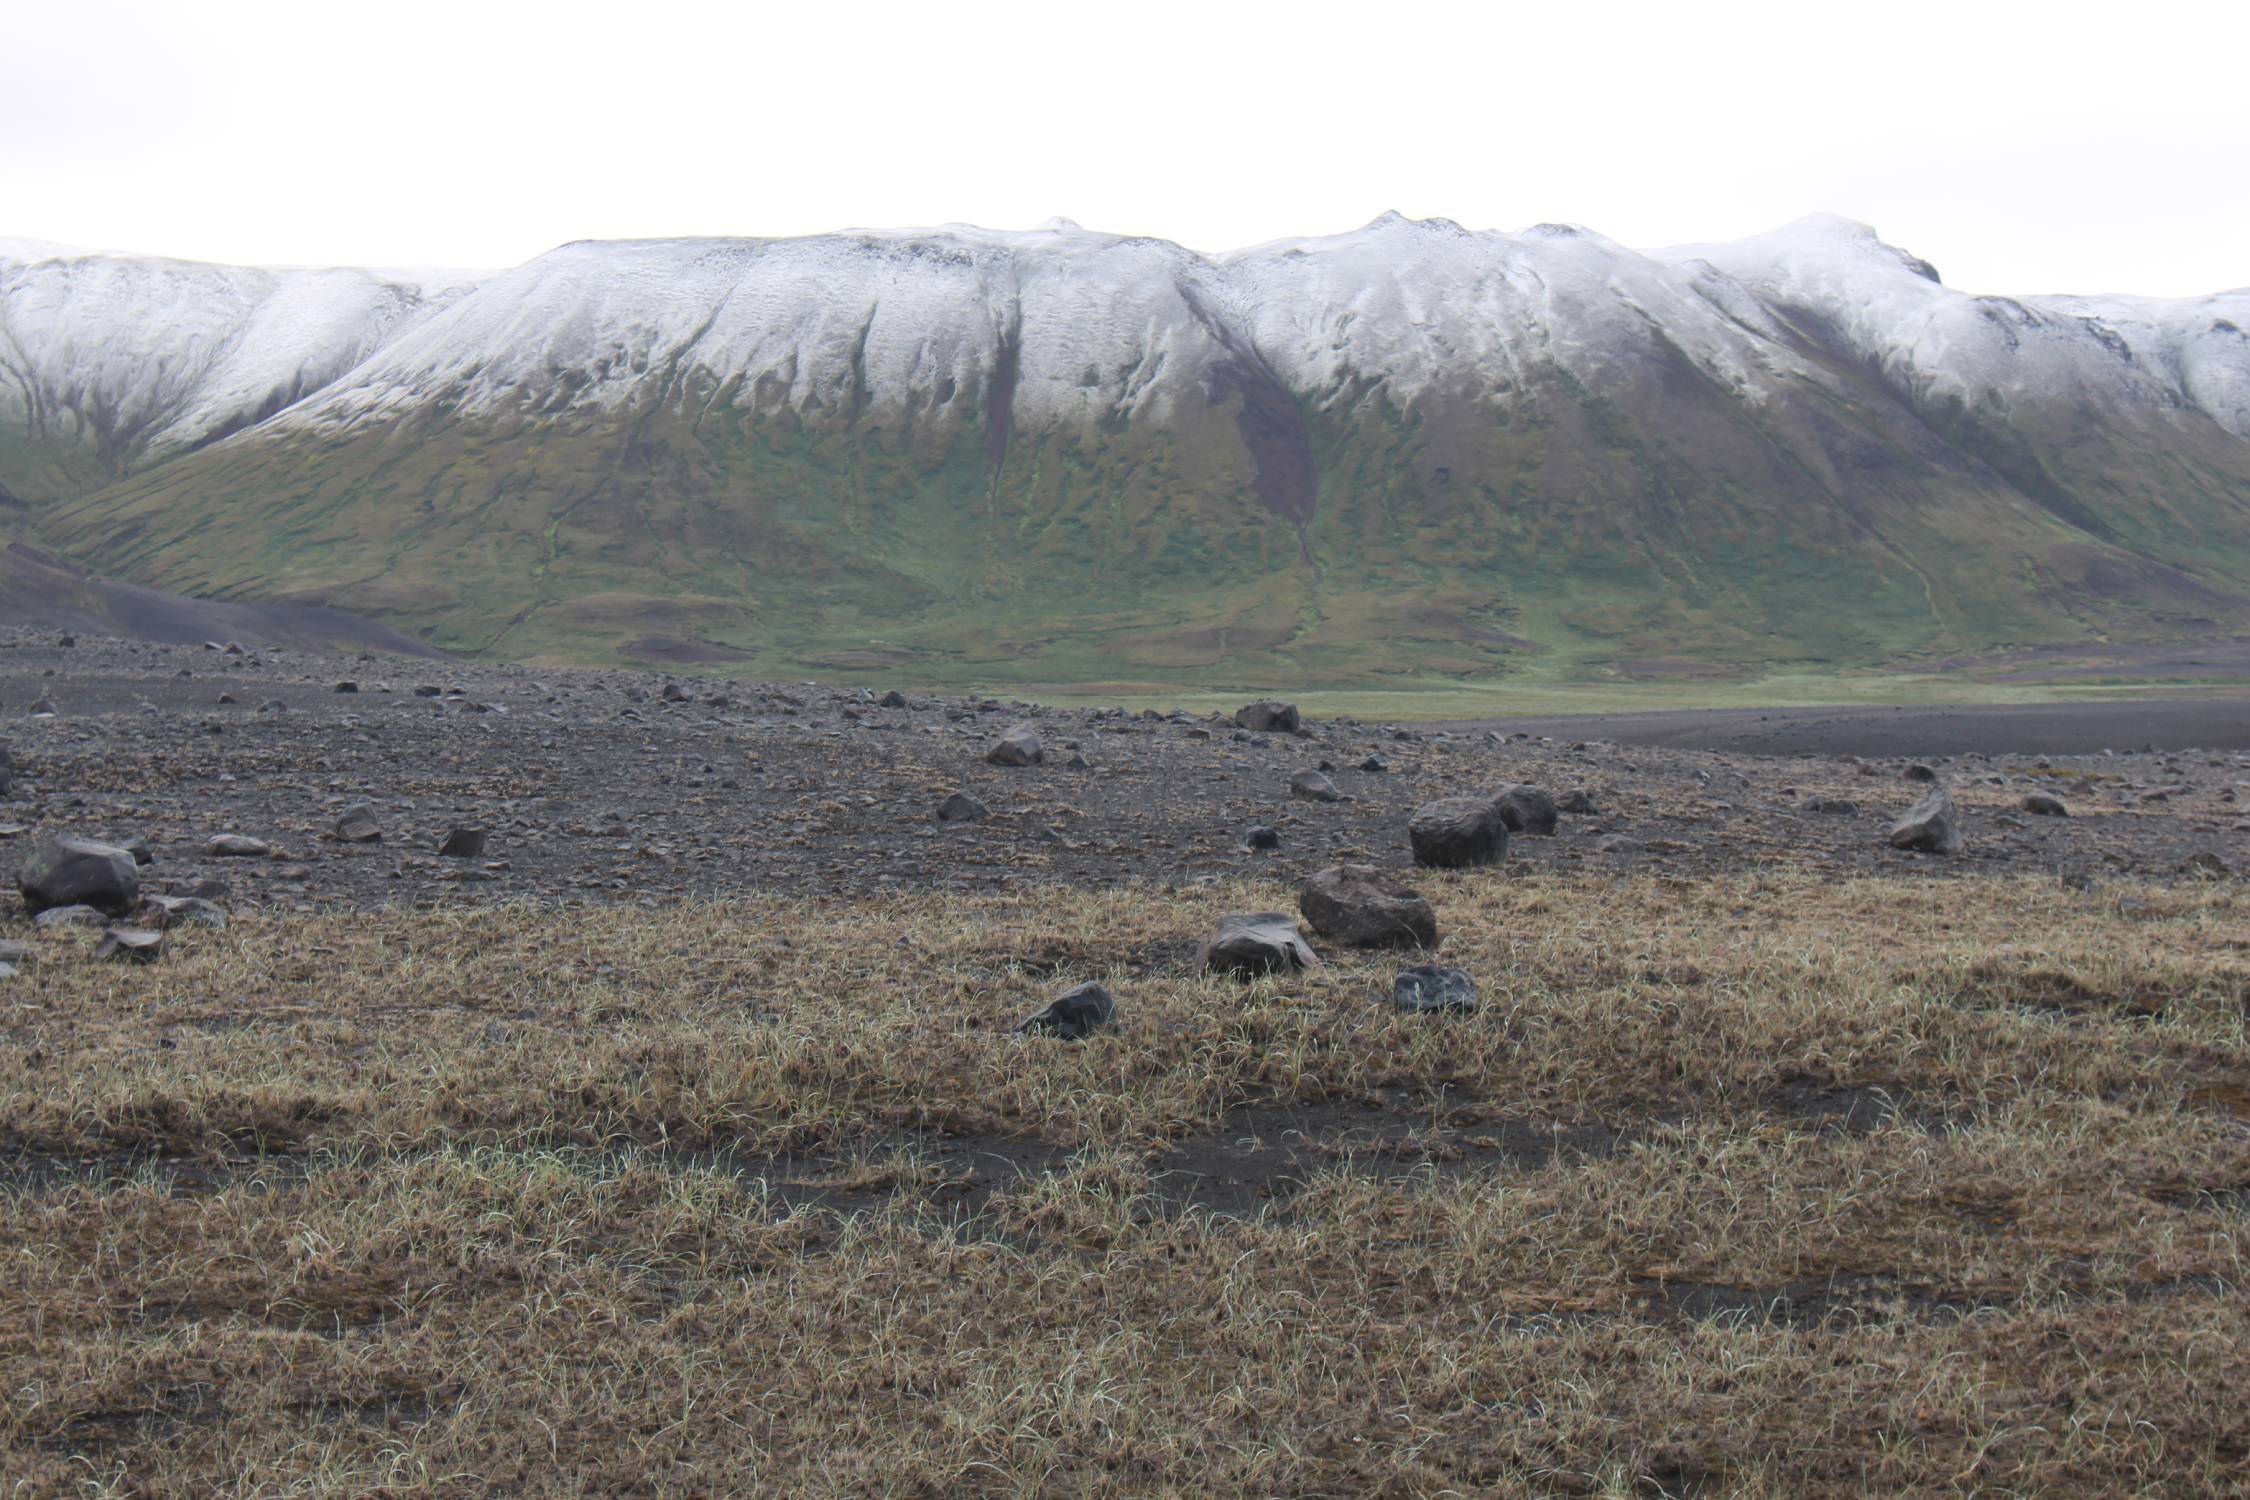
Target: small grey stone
[[462, 843], [1458, 832], [960, 807], [237, 846], [135, 945], [1018, 747], [356, 825], [1932, 825], [1264, 942], [1075, 1015], [1269, 716], [184, 911], [80, 872], [1428, 990], [1314, 786], [1361, 906], [1527, 809]]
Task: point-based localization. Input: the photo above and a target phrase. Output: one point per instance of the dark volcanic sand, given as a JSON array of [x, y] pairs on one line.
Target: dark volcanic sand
[[590, 795], [2001, 729]]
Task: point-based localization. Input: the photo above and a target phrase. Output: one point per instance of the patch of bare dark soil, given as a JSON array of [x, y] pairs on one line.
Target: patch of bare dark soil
[[40, 591], [596, 786]]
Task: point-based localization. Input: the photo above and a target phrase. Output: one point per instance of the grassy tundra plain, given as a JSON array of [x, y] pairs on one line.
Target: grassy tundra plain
[[1771, 1185]]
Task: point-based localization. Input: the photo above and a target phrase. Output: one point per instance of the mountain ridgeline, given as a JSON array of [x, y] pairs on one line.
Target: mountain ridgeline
[[1410, 453]]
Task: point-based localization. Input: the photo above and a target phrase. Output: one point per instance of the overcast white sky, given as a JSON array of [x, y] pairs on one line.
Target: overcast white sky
[[2023, 148]]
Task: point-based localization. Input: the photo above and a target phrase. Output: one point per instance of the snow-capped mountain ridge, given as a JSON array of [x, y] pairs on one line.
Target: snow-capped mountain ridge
[[1804, 437], [158, 356]]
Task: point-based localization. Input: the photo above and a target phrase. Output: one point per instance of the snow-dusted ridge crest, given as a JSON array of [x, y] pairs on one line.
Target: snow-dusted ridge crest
[[119, 362]]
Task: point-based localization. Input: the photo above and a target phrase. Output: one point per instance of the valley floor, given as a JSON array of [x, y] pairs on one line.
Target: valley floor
[[686, 1144]]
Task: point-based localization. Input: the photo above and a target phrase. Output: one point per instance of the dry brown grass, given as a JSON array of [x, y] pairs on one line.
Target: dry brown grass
[[1873, 1186]]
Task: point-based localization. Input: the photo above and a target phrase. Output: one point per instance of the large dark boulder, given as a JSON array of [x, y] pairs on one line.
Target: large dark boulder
[[1265, 942], [1269, 716], [1932, 825], [1360, 906], [1527, 809], [80, 872], [1456, 832]]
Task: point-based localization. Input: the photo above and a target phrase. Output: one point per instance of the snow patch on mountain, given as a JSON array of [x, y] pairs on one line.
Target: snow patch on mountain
[[144, 357], [1060, 325], [1836, 280]]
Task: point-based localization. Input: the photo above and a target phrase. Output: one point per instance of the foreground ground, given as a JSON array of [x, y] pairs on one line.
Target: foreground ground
[[1776, 1162], [1747, 1185]]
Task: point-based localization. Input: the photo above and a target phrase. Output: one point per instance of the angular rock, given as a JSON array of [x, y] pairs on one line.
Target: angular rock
[[13, 952], [1375, 764], [1428, 990], [273, 706], [237, 846], [427, 690], [960, 807], [1839, 807], [2045, 804], [44, 709], [1076, 1015], [1919, 772], [1315, 786], [79, 872], [1455, 833], [356, 825], [1620, 845], [1269, 716], [131, 945], [674, 693], [1932, 824], [1360, 906], [7, 772], [892, 699], [1018, 747], [1265, 942], [1261, 837], [70, 916], [1577, 801], [347, 687], [462, 843], [1528, 809], [138, 847]]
